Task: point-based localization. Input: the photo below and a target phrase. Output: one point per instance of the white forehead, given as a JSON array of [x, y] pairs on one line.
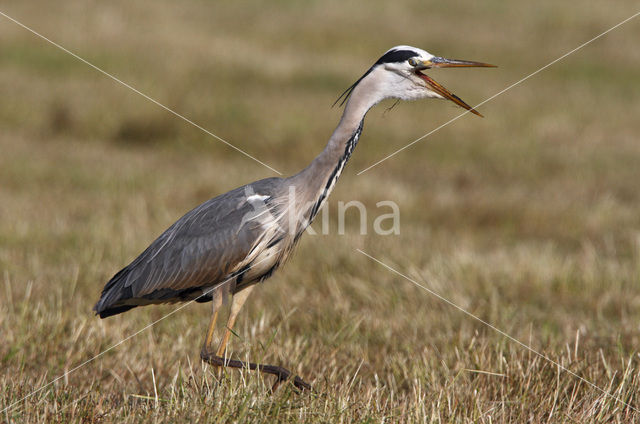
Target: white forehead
[[422, 53]]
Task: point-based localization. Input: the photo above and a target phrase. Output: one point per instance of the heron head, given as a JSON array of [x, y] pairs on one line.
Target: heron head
[[400, 74]]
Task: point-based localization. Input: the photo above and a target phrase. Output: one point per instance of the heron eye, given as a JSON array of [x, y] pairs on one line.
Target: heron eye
[[413, 61]]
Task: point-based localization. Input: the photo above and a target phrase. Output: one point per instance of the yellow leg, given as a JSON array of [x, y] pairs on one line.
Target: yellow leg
[[236, 304], [217, 303], [219, 361]]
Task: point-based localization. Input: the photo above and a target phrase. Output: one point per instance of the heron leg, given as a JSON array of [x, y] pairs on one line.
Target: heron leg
[[217, 303], [236, 304], [281, 374], [219, 359]]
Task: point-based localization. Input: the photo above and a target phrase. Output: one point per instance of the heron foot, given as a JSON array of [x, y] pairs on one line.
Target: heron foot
[[281, 374]]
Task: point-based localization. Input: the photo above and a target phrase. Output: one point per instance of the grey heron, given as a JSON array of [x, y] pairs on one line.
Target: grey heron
[[231, 242]]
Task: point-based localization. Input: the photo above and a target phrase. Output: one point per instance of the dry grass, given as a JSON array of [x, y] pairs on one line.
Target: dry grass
[[528, 218]]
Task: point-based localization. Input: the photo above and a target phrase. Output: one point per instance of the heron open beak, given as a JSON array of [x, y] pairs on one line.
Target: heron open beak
[[441, 62]]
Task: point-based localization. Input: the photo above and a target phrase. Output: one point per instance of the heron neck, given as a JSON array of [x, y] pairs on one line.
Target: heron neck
[[317, 180]]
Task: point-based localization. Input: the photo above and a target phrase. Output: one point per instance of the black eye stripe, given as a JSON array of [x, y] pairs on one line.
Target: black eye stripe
[[396, 56]]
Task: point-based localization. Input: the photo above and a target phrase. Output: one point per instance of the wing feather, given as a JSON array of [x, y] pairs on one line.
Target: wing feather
[[199, 251]]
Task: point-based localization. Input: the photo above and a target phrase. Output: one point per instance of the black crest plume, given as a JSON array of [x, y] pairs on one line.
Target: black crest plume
[[391, 56]]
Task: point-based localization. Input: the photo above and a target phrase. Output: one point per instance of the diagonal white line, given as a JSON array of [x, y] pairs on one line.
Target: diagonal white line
[[10, 406], [513, 339], [500, 92], [102, 71]]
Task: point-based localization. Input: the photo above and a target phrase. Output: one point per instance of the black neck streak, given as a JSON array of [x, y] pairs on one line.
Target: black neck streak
[[335, 174]]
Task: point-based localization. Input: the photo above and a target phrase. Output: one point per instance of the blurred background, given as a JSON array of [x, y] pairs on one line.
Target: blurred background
[[527, 218]]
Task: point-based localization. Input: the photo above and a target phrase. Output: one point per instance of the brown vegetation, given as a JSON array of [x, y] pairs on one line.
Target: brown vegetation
[[528, 219]]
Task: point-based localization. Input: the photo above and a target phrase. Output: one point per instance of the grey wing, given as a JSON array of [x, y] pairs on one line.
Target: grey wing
[[208, 246]]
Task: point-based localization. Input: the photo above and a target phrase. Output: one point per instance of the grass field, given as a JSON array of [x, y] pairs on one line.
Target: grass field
[[528, 219]]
